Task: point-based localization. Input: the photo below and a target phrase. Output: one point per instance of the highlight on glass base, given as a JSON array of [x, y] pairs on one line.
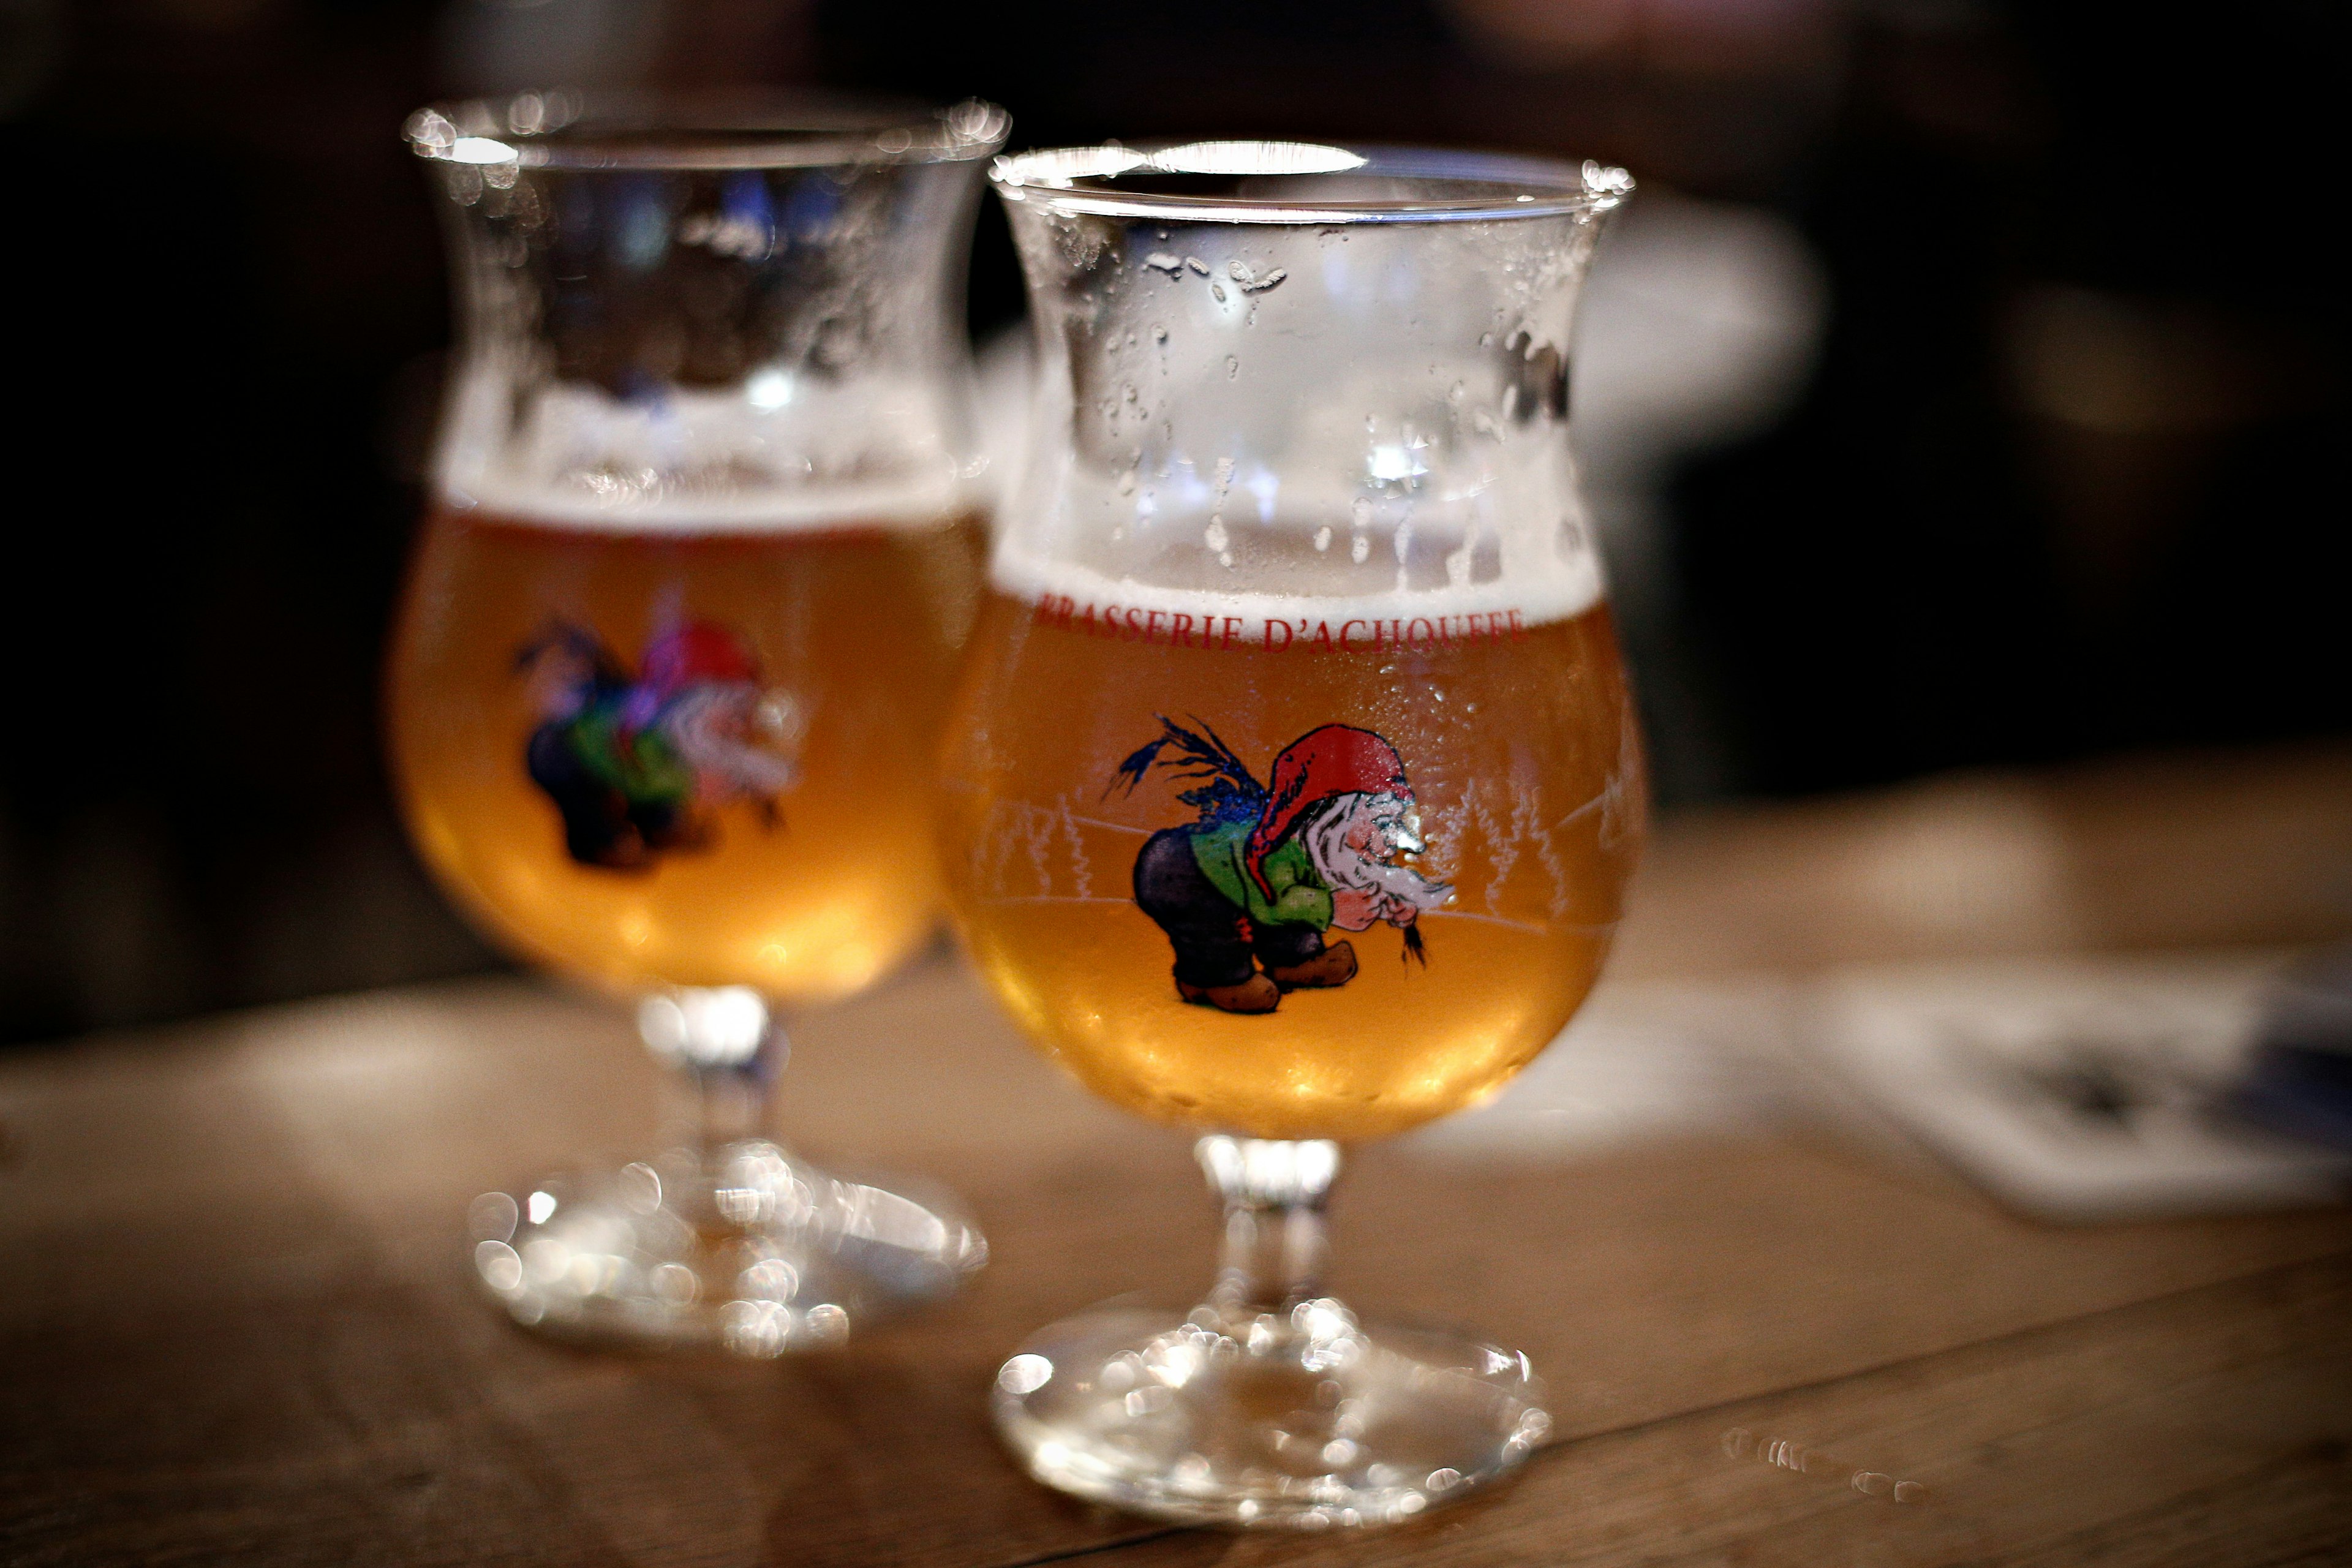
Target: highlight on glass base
[[1263, 1407], [754, 1254], [724, 1241]]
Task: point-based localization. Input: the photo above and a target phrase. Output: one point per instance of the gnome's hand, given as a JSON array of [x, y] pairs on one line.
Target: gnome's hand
[[1355, 909]]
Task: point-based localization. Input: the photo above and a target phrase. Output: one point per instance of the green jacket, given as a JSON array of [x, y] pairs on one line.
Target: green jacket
[[644, 766], [1299, 896]]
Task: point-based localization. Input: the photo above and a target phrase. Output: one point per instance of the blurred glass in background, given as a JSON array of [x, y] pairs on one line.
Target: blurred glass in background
[[1969, 386]]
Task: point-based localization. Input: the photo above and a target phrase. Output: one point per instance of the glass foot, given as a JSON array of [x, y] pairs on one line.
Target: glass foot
[[1306, 1423], [743, 1249]]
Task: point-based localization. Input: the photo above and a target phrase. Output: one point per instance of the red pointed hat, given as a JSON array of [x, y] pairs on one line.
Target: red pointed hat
[[695, 652], [1337, 759]]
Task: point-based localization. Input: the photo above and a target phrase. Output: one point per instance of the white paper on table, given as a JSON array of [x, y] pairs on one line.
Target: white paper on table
[[2076, 1087]]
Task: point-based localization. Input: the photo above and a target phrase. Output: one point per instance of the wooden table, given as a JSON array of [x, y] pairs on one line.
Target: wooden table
[[240, 1325]]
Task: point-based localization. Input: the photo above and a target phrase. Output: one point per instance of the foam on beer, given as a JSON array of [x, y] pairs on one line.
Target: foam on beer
[[1556, 595], [1308, 555], [776, 455]]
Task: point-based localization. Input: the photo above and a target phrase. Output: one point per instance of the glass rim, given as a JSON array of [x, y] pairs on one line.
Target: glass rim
[[1082, 181], [562, 128]]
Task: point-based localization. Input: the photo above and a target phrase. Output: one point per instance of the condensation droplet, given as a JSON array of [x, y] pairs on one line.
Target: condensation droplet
[[1197, 265], [1159, 333], [1214, 535], [1323, 538], [1361, 550], [1233, 368], [1361, 510], [1218, 291]]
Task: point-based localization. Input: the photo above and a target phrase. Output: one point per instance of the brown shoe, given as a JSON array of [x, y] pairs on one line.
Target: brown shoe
[[1335, 966], [1255, 995]]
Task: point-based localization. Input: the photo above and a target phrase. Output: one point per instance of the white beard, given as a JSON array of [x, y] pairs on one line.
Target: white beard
[[1342, 866], [693, 723]]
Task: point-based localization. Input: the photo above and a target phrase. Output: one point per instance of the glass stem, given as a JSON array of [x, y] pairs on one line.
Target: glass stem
[[1273, 1190], [723, 1050]]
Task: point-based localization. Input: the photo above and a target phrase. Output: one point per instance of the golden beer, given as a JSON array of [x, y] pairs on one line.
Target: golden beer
[[1518, 751], [664, 757]]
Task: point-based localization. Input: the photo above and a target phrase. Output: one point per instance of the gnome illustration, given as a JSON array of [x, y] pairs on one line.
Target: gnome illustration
[[627, 761], [1247, 892]]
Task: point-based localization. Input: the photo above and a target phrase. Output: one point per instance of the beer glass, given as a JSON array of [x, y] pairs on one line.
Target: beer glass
[[677, 642], [1293, 782]]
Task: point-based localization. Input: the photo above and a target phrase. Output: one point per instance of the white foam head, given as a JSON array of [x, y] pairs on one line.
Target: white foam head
[[1245, 539], [776, 454], [1562, 588]]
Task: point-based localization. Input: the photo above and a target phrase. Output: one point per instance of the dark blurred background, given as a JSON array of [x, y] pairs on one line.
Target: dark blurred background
[[1978, 388]]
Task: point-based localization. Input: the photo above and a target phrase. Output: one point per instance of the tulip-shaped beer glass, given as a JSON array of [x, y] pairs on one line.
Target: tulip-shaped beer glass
[[1293, 782], [678, 644]]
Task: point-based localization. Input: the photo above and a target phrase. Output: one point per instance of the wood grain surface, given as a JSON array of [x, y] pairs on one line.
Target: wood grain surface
[[240, 1326]]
